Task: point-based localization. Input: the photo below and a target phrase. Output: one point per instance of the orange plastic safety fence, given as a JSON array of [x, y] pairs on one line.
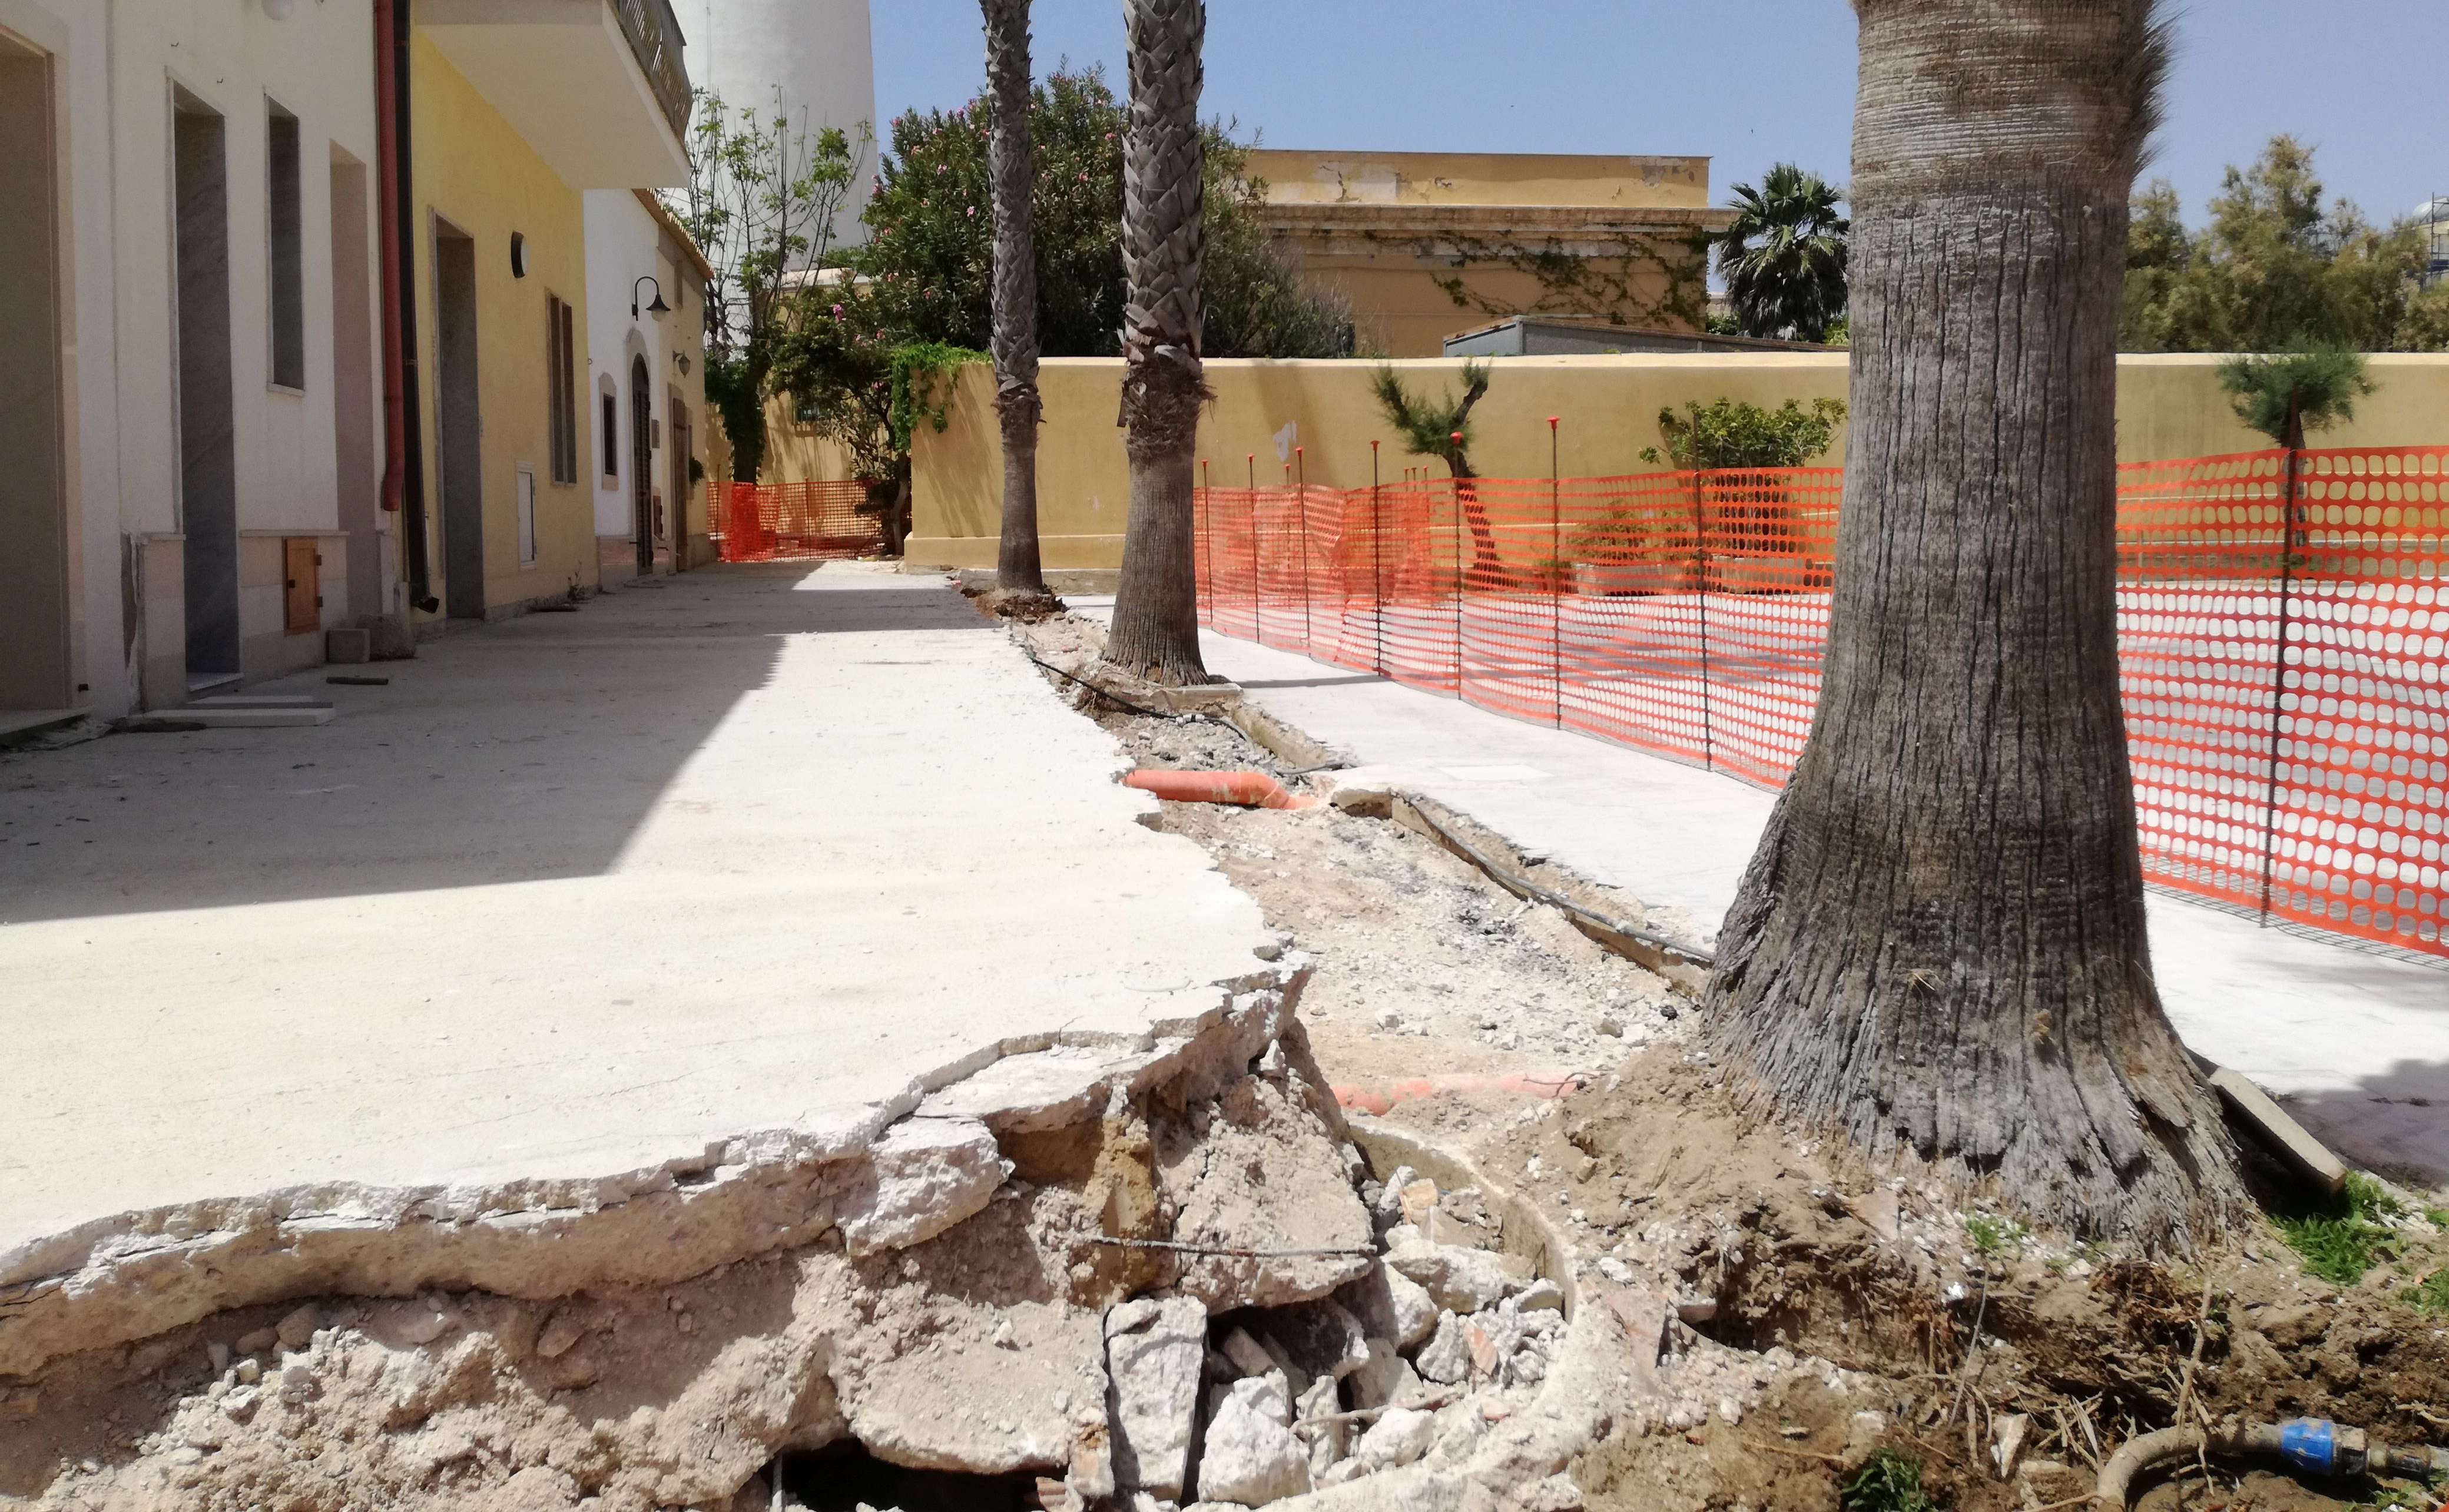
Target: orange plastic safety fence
[[1686, 613], [775, 521]]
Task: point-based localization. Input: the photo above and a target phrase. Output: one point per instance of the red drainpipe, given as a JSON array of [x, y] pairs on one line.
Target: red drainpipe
[[387, 156], [403, 486]]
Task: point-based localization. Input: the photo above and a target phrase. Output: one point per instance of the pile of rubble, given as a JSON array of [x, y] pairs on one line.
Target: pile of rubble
[[1416, 1360]]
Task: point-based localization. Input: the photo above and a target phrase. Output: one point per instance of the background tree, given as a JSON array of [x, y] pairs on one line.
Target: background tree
[[2278, 267], [930, 250], [1018, 567], [762, 197], [1939, 945], [1156, 615], [1441, 427], [2284, 396], [1784, 257], [864, 388]]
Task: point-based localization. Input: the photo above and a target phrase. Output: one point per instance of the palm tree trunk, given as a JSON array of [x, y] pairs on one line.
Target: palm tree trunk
[[1486, 569], [1156, 606], [1939, 946], [1018, 565]]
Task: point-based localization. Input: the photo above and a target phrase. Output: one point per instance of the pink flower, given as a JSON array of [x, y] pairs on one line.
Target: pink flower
[[837, 312], [972, 212]]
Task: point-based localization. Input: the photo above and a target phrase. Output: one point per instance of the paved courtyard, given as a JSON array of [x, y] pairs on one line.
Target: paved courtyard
[[576, 894]]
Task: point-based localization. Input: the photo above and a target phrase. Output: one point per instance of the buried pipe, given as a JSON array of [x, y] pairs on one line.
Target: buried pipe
[[1251, 790], [1376, 1098], [2312, 1444]]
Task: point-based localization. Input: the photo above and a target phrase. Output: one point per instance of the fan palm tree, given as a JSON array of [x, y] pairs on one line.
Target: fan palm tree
[[1784, 257], [1156, 610], [1019, 568], [1939, 945]]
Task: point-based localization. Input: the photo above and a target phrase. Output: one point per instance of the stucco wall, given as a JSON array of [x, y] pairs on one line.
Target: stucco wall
[[116, 69], [2168, 407], [478, 173], [624, 244]]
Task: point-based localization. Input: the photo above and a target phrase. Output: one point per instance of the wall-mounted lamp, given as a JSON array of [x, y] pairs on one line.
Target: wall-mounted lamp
[[658, 307]]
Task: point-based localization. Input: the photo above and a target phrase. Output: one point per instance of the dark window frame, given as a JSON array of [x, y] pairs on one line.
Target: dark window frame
[[284, 275]]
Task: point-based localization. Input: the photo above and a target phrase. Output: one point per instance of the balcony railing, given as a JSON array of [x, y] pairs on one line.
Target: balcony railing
[[655, 37]]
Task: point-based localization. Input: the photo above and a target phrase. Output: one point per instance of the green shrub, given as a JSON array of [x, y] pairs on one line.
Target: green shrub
[[1732, 433], [1888, 1482]]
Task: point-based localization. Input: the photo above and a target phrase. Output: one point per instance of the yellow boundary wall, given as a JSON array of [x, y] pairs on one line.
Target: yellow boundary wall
[[1607, 408]]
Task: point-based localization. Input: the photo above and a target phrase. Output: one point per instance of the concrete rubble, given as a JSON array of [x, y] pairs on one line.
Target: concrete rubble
[[1154, 1353]]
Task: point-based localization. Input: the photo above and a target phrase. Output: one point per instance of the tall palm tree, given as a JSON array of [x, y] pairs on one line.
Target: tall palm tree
[[1011, 171], [1784, 257], [1156, 610], [1939, 945]]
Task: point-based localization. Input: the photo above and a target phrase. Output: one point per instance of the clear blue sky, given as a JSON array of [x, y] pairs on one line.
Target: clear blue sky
[[1746, 82]]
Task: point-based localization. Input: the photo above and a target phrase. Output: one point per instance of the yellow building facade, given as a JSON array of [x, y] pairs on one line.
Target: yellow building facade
[[515, 112], [1272, 422], [1429, 243]]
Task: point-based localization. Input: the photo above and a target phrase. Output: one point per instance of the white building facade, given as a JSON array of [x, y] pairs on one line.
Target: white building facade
[[646, 382], [187, 267]]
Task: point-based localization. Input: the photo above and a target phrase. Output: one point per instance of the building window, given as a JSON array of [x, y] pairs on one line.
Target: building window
[[612, 438], [287, 250], [527, 517], [560, 376], [803, 412]]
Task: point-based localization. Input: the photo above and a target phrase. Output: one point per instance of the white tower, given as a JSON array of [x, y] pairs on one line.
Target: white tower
[[816, 52]]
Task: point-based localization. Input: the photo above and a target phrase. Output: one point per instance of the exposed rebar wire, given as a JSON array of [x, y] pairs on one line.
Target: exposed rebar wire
[[1229, 1252]]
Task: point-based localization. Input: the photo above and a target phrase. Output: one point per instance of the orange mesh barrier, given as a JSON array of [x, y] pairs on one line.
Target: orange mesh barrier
[[775, 522], [1685, 614]]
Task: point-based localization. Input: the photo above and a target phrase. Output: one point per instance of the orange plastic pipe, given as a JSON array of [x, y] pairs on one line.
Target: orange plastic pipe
[[1377, 1097], [1251, 789]]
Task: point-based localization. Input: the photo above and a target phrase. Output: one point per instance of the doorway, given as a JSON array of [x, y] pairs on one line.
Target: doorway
[[680, 443], [459, 438], [642, 458], [33, 498], [208, 428]]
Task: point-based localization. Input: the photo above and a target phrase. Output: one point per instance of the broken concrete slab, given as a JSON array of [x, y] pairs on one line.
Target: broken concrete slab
[[1249, 1456], [924, 1176], [1154, 1352], [1458, 1277], [774, 766]]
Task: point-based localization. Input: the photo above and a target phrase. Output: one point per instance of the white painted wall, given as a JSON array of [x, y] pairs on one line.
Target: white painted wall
[[75, 34], [818, 52], [119, 62], [623, 245]]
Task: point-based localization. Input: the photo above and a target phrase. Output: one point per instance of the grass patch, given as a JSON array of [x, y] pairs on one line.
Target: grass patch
[[1888, 1482], [1990, 1236], [2343, 1240], [2433, 1295]]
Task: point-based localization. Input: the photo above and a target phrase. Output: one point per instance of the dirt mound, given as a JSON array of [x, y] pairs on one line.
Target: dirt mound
[[1954, 1328]]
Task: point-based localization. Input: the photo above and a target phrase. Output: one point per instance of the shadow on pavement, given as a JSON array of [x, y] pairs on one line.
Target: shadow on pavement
[[523, 751], [2396, 1122]]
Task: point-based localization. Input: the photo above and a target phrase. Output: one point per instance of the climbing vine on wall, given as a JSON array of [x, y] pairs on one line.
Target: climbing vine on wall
[[1607, 277]]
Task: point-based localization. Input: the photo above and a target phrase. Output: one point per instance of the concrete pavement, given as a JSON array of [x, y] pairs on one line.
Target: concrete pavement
[[763, 849], [2357, 1042]]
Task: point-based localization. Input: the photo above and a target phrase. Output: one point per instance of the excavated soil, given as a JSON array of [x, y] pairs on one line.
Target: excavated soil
[[1828, 1312]]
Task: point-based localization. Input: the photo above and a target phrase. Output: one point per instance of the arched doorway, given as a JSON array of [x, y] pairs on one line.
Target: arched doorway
[[642, 457]]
